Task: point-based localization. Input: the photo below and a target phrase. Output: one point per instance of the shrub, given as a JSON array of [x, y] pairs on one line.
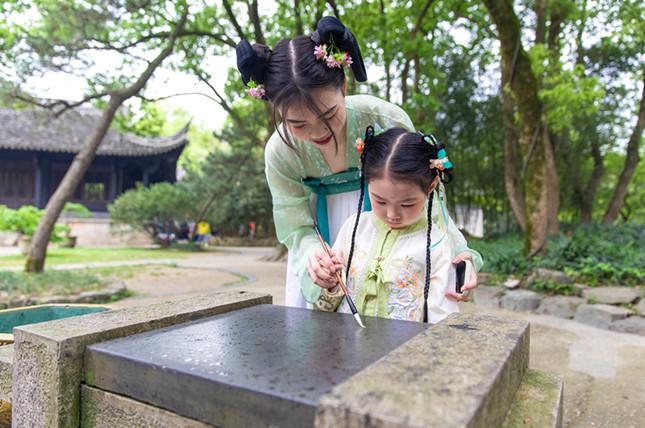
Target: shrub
[[593, 254], [149, 208], [26, 218]]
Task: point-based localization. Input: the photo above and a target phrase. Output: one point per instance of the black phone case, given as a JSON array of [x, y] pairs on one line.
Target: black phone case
[[461, 276]]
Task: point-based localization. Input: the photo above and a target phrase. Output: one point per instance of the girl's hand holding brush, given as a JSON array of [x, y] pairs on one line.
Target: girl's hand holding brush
[[322, 269]]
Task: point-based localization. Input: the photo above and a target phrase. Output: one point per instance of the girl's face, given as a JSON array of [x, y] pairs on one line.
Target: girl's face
[[396, 202], [305, 125]]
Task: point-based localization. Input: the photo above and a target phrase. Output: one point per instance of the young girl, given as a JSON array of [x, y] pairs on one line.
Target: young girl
[[398, 255], [310, 166]]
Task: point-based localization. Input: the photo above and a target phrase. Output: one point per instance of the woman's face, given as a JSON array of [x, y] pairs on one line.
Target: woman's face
[[306, 125], [396, 202]]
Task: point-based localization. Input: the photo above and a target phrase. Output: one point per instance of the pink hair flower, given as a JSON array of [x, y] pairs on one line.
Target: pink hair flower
[[256, 92], [438, 164], [332, 62], [348, 59], [320, 51]]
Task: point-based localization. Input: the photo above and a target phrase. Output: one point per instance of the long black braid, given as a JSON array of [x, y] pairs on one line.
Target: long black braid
[[369, 134], [426, 287]]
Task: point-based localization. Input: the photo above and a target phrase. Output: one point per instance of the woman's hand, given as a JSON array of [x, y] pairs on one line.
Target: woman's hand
[[322, 269], [469, 283]]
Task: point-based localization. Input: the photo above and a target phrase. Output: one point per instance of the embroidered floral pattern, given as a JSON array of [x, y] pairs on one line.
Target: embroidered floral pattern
[[406, 291]]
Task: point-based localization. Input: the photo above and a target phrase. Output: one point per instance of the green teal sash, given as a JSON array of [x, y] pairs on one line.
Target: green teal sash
[[342, 182]]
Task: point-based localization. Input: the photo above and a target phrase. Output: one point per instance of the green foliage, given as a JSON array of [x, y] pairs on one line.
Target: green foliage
[[592, 254], [74, 209], [60, 256], [149, 208], [633, 210], [502, 254], [551, 287], [25, 219], [566, 94], [148, 120]]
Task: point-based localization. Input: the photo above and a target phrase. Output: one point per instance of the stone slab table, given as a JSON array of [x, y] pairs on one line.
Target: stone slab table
[[282, 367], [259, 366]]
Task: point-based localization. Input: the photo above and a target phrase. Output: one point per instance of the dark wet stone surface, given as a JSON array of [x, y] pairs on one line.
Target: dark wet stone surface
[[264, 365]]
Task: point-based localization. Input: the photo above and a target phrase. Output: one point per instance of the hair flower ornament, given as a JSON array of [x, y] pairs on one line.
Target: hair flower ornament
[[333, 57], [442, 163], [368, 135], [320, 51], [360, 145], [255, 90]]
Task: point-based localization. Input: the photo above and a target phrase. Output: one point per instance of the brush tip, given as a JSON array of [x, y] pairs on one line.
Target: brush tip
[[359, 321]]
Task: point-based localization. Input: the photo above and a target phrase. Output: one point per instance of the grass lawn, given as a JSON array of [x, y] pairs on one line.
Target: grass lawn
[[57, 256], [62, 282]]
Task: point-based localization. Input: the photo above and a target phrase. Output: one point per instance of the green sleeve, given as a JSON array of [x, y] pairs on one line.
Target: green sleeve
[[291, 210]]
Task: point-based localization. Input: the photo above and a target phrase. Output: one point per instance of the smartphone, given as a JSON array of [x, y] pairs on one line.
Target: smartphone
[[461, 276]]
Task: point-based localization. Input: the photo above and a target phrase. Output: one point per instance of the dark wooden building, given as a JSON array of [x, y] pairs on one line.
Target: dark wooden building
[[37, 148]]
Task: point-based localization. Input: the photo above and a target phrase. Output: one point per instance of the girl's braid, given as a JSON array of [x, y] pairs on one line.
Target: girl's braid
[[358, 216], [426, 288]]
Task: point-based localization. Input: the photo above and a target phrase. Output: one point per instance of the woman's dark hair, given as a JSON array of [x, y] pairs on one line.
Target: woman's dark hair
[[290, 71], [404, 156]]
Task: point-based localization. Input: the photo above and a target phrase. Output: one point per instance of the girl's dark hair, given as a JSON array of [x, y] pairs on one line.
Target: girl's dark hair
[[403, 156], [290, 71]]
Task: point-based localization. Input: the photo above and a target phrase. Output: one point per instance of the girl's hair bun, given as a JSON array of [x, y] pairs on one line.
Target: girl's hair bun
[[330, 28], [252, 61]]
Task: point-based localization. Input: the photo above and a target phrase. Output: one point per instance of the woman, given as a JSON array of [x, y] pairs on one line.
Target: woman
[[311, 164]]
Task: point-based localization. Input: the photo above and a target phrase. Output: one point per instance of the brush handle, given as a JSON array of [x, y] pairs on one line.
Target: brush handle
[[350, 302], [352, 307]]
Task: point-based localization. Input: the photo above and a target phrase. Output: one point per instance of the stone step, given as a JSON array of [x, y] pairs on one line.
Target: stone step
[[538, 402], [462, 372]]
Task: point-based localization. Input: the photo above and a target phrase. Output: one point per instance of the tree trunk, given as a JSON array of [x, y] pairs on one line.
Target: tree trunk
[[511, 165], [387, 61], [540, 19], [535, 194], [254, 15], [404, 81], [523, 85], [82, 161], [631, 161], [552, 182], [589, 194], [298, 18]]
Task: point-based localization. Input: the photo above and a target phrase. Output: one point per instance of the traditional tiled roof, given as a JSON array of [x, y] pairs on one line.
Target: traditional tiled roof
[[40, 130]]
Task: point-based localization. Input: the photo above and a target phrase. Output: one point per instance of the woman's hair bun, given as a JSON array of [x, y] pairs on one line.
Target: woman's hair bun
[[252, 61], [330, 27]]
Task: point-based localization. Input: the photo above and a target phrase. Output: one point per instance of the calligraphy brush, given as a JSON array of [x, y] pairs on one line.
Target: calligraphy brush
[[339, 277]]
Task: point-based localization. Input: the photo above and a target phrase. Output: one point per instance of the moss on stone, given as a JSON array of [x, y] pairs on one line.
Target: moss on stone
[[538, 402]]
